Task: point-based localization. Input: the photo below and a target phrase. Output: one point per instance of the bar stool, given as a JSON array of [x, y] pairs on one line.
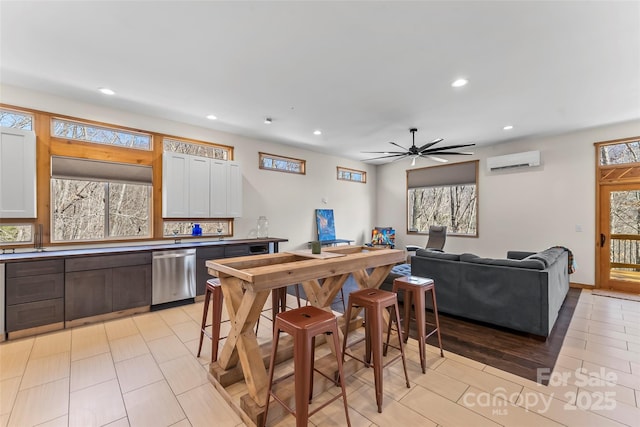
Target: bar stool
[[213, 291], [415, 289], [303, 324], [374, 301]]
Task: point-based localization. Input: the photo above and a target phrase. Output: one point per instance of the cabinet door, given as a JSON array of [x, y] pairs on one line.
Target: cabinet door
[[17, 173], [234, 192], [131, 287], [88, 293], [175, 185], [199, 182], [218, 189]]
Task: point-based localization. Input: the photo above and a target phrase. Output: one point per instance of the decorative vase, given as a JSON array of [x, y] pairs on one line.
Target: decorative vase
[[263, 227], [196, 230]]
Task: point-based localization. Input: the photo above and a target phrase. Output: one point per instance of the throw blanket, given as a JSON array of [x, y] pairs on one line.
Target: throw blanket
[[572, 262]]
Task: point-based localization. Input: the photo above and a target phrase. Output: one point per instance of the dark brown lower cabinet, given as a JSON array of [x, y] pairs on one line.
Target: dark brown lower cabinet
[[99, 285], [34, 294], [131, 287], [88, 293]]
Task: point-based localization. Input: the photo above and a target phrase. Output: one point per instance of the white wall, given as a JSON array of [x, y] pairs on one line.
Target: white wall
[[523, 209], [287, 200]]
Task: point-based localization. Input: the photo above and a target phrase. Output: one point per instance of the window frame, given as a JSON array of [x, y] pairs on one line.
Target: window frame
[[115, 129], [436, 169], [300, 162], [343, 169]]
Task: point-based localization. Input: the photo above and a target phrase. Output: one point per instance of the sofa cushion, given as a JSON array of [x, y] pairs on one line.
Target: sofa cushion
[[466, 257], [436, 254], [529, 263], [548, 256]]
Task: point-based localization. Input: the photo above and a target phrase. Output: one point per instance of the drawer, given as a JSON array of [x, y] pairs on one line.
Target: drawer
[[34, 288], [236, 250], [107, 261], [32, 314], [34, 268], [215, 252]]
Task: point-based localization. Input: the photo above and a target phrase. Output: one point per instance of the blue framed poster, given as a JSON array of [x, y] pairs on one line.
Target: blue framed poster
[[325, 225]]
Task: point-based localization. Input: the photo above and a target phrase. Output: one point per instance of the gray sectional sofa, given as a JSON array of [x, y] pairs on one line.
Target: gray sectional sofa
[[523, 292]]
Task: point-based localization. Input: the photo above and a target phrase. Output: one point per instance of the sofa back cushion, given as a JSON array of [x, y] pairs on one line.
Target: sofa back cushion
[[527, 263], [437, 254], [547, 257]]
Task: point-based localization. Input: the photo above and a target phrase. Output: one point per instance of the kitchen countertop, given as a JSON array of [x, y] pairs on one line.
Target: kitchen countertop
[[50, 253]]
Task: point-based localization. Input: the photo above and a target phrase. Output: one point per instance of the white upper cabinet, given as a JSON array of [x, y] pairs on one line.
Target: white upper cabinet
[[199, 187], [234, 191], [17, 173], [199, 179], [218, 188], [175, 185]]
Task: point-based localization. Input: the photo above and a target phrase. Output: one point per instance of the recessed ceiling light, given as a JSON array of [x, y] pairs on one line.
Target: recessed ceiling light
[[267, 121], [211, 117], [106, 91], [508, 127], [459, 83], [317, 132]]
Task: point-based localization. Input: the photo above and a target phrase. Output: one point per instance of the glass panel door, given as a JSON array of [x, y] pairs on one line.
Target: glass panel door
[[619, 239]]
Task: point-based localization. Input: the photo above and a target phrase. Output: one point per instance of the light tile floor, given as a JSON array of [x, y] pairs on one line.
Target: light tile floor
[[142, 371]]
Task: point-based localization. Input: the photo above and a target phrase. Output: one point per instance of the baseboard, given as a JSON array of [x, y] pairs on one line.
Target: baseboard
[[580, 286]]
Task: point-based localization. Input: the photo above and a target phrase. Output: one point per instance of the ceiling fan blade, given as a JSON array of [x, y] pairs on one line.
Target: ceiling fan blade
[[397, 145], [429, 144], [441, 153], [437, 159], [386, 157], [450, 147], [382, 152]]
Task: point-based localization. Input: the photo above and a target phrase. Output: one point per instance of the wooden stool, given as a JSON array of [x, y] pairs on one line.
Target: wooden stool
[[213, 291], [303, 324], [374, 301], [414, 289]]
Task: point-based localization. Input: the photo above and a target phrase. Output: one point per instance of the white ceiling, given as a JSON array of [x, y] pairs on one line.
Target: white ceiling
[[362, 72]]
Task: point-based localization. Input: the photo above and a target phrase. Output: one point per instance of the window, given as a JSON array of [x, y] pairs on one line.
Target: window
[[100, 134], [354, 175], [203, 150], [281, 163], [222, 228], [96, 200], [16, 233], [620, 153], [16, 119], [443, 195]]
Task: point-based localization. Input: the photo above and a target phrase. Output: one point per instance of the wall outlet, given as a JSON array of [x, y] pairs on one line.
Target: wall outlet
[[578, 228]]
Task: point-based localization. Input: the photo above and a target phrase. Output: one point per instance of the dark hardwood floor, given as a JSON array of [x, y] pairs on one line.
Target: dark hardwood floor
[[518, 353], [515, 352]]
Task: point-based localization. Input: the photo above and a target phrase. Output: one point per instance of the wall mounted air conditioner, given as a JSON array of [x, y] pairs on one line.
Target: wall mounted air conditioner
[[516, 160]]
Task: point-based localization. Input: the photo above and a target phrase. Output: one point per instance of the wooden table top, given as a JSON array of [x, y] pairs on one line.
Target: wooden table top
[[262, 272]]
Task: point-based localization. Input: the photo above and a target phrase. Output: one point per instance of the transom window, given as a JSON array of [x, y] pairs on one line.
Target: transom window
[[209, 150], [354, 175], [218, 228], [80, 131], [443, 195], [16, 119], [16, 233], [281, 163], [620, 153]]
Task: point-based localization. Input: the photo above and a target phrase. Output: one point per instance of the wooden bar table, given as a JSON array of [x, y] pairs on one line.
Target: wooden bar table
[[247, 281]]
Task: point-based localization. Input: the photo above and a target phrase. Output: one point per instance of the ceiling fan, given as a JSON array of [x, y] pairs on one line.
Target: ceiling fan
[[424, 151]]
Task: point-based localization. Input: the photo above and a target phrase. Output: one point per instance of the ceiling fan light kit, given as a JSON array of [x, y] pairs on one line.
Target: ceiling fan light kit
[[425, 150]]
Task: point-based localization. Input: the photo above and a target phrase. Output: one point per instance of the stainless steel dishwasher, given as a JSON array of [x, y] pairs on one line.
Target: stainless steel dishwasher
[[174, 276]]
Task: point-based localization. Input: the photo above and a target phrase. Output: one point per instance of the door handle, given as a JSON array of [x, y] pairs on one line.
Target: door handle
[[603, 239]]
